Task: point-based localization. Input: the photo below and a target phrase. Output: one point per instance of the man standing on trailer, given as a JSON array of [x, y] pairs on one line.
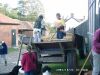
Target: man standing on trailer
[[38, 26], [59, 24]]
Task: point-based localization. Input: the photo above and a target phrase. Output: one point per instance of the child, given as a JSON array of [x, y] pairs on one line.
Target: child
[[3, 51], [28, 62]]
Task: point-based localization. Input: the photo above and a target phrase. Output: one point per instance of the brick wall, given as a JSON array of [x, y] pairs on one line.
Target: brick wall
[[5, 33], [28, 33]]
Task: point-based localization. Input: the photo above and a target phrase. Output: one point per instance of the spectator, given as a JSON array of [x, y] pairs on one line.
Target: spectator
[[28, 62], [96, 53], [3, 51], [38, 27], [59, 24]]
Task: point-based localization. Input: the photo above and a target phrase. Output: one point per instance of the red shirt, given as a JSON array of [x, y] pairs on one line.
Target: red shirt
[[27, 62]]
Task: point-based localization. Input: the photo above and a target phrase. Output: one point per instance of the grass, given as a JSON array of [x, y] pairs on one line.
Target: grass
[[61, 69], [87, 66], [11, 49]]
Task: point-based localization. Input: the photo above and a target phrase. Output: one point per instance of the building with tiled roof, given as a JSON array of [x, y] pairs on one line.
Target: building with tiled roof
[[72, 22], [7, 20], [11, 28]]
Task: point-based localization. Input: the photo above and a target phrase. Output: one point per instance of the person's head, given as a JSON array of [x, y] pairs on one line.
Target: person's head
[[3, 42], [58, 16], [41, 17], [29, 48]]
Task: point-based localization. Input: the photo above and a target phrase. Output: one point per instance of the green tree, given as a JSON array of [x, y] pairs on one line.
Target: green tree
[[13, 13], [29, 9], [4, 8]]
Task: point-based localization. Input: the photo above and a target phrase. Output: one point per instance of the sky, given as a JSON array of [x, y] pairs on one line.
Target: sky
[[12, 3], [64, 7]]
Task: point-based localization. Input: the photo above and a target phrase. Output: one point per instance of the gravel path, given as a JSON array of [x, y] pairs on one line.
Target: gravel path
[[12, 59]]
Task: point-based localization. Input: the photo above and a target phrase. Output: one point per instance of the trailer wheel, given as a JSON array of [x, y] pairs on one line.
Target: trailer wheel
[[72, 62]]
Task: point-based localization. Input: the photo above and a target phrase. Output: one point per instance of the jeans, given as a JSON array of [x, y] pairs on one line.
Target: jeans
[[60, 34], [96, 63], [37, 35], [3, 56], [30, 73]]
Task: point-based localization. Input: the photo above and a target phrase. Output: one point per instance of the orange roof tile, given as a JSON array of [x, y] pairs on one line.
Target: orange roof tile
[[7, 20], [25, 25]]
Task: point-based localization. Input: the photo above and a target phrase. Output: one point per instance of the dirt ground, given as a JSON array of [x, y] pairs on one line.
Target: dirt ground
[[88, 73]]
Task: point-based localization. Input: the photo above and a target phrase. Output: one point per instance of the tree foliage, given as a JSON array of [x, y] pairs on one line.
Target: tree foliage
[[4, 8], [27, 10]]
